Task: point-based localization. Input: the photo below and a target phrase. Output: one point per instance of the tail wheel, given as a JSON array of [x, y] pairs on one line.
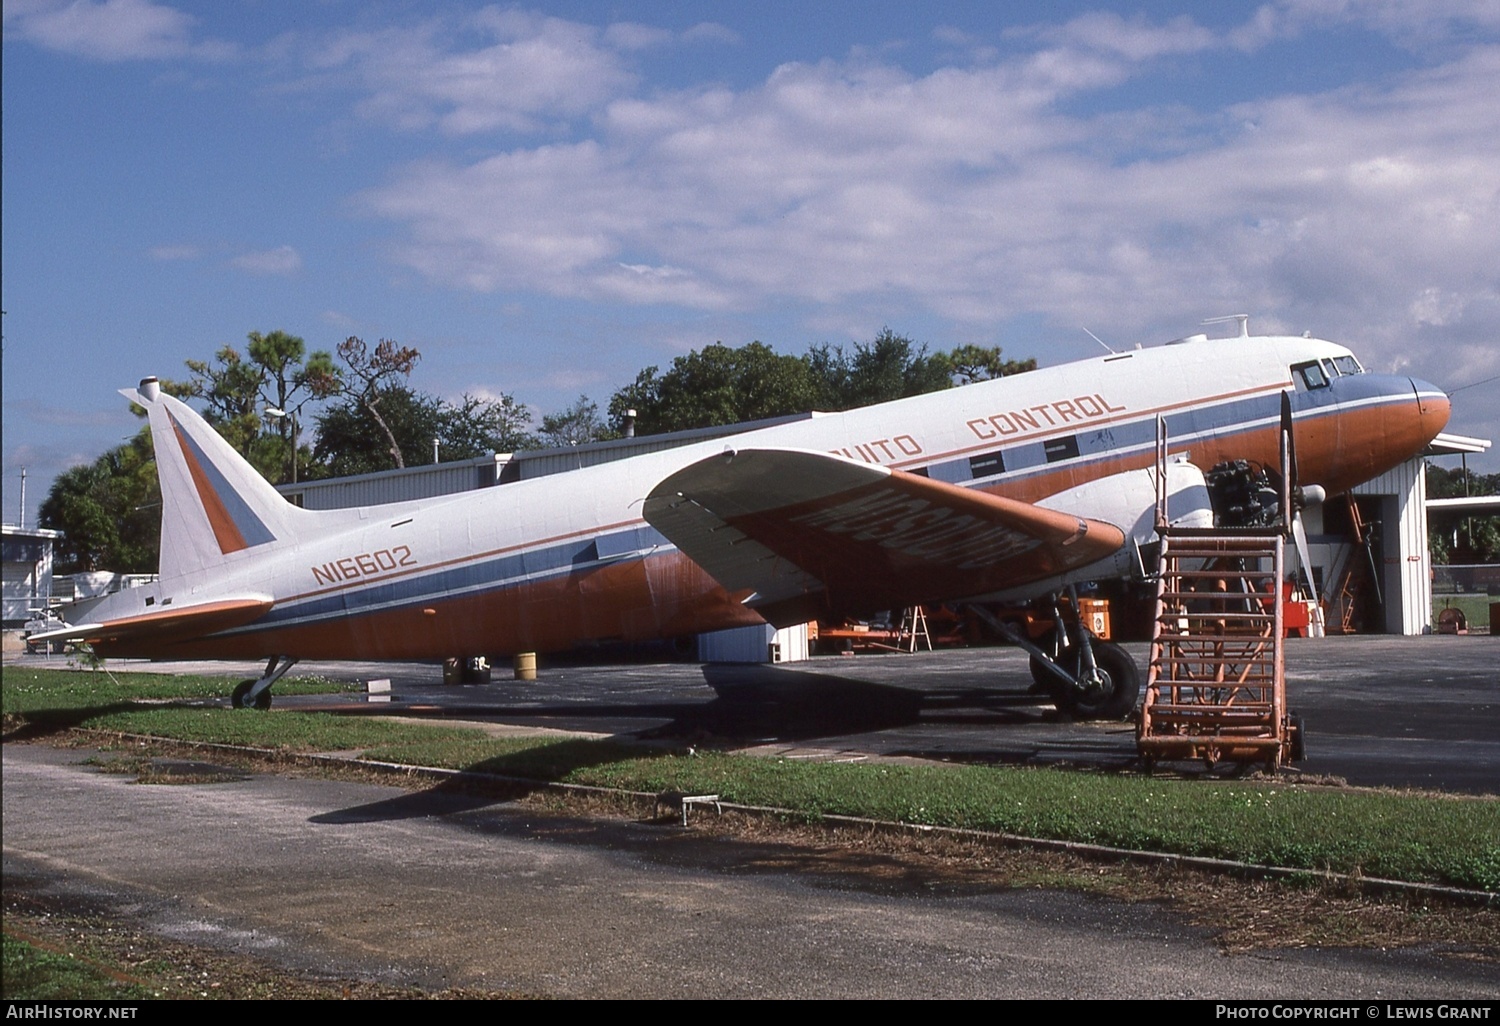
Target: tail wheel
[[239, 698], [1113, 695]]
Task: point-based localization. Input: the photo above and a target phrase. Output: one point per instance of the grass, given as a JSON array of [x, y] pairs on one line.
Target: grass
[[1419, 838], [32, 973]]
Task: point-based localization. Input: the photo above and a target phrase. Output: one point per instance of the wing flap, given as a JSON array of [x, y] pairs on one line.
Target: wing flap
[[814, 534]]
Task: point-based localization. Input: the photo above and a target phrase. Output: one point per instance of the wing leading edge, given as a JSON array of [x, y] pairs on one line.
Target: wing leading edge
[[813, 534]]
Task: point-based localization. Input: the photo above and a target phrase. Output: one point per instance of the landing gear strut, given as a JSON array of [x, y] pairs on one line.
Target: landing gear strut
[[256, 694], [1107, 690], [1087, 678]]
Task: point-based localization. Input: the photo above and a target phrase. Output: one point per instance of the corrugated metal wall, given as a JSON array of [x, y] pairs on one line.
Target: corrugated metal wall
[[422, 482], [1408, 565]]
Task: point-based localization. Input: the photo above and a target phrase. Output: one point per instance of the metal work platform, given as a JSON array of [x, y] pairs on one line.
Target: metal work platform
[[1216, 687], [1216, 683]]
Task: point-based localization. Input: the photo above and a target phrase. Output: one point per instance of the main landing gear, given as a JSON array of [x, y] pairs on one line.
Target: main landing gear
[[256, 694], [1087, 679]]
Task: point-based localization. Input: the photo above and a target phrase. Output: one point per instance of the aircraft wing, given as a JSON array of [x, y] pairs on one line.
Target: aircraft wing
[[164, 625], [813, 534]]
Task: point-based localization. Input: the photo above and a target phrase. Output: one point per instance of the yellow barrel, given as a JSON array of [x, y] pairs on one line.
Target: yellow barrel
[[525, 666]]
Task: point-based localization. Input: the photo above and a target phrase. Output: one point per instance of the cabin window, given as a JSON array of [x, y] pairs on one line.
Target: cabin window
[[987, 465], [1061, 448], [1309, 375]]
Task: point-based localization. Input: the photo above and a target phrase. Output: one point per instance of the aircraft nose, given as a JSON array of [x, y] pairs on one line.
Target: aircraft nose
[[1433, 407]]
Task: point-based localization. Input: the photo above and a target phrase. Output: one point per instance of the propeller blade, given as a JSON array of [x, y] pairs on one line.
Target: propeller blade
[[1304, 559], [1291, 440]]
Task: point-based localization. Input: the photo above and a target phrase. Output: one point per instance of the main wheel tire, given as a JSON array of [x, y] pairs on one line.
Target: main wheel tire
[[1121, 684], [237, 697]]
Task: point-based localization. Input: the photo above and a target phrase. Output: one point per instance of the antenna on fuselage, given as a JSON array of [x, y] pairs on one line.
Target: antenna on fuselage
[[1244, 320], [1097, 339]]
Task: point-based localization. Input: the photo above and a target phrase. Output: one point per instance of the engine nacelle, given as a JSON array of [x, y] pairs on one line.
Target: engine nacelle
[[1128, 500]]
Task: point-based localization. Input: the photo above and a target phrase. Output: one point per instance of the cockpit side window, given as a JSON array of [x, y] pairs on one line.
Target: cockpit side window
[[1347, 365], [1309, 375]]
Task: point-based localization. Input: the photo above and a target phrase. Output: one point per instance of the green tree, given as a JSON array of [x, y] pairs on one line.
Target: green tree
[[373, 373], [715, 385], [970, 363], [1457, 538], [109, 511], [473, 427], [722, 385], [890, 367], [275, 373], [575, 425], [351, 442]]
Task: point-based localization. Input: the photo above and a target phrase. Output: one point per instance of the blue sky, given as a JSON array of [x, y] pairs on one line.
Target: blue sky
[[544, 199]]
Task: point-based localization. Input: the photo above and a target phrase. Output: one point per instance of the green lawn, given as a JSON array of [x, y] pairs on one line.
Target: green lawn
[[1420, 838]]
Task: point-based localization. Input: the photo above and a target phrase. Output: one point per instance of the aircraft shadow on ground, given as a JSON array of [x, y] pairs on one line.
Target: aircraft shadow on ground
[[756, 703], [751, 704]]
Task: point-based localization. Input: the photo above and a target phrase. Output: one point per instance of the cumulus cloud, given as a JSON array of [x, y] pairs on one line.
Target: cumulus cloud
[[110, 30], [526, 70], [984, 193], [281, 260]]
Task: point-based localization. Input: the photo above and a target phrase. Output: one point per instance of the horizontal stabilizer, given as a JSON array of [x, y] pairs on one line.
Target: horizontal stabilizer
[[165, 625], [813, 534]]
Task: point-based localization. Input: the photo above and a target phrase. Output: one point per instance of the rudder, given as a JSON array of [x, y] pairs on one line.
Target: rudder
[[214, 504]]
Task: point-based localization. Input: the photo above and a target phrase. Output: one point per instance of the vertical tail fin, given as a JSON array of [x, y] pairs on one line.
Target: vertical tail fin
[[214, 504]]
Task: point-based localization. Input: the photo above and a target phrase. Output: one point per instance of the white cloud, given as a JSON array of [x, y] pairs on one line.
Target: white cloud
[[281, 260], [528, 69], [1404, 22], [110, 30], [981, 194]]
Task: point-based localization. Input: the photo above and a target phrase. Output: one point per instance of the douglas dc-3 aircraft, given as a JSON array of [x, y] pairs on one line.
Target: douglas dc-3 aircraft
[[1002, 489]]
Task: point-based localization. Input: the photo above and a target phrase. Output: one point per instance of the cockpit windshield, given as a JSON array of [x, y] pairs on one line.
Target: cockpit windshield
[[1310, 375], [1320, 373]]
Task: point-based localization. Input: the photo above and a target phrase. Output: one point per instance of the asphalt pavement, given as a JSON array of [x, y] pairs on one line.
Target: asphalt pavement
[[1380, 711]]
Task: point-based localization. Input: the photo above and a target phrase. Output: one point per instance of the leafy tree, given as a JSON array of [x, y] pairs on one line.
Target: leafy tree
[[351, 442], [473, 427], [274, 373], [1462, 539], [891, 367], [374, 373], [721, 385], [109, 511], [575, 425], [970, 363], [715, 385]]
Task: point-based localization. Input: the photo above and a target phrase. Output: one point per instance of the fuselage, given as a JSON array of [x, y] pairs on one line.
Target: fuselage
[[555, 562]]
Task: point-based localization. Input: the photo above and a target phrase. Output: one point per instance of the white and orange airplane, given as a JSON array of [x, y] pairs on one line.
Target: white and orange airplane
[[1006, 488]]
